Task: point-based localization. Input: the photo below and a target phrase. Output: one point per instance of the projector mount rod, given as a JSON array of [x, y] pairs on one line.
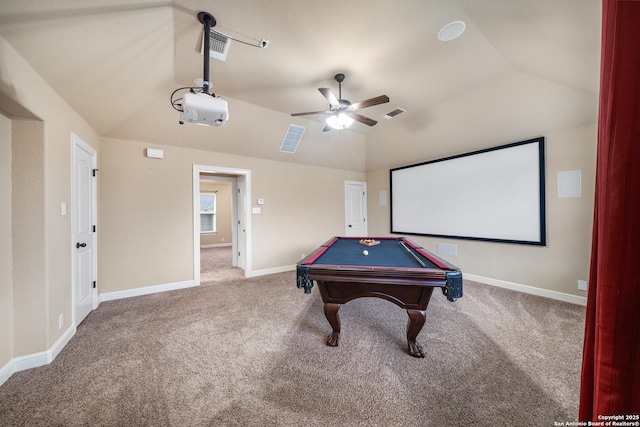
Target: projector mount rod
[[209, 21]]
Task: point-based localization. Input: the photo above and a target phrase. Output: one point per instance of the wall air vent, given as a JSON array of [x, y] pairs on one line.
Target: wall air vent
[[292, 139], [218, 45], [392, 114]]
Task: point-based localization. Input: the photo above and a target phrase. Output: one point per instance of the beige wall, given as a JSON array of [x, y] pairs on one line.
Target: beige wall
[[41, 168], [224, 199], [557, 266], [147, 220], [145, 229], [6, 246], [29, 269]]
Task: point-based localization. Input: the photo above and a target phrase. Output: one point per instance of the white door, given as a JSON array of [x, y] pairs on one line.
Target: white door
[[83, 223], [242, 227], [356, 208]]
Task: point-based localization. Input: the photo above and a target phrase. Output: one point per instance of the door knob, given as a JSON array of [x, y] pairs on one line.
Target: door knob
[[349, 225], [80, 245]]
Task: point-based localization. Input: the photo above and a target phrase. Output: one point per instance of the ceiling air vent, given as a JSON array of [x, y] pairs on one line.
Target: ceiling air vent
[[218, 45], [292, 139], [392, 114]]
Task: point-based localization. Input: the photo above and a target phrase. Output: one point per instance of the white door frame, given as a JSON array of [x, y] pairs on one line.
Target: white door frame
[[76, 141], [197, 169], [241, 205]]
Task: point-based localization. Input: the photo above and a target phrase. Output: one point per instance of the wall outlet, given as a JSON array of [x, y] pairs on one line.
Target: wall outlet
[[582, 285], [222, 239], [61, 321], [302, 256]]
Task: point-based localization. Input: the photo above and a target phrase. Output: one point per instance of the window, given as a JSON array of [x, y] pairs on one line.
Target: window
[[207, 213]]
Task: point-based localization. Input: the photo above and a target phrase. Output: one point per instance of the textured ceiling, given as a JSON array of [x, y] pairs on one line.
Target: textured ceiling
[[117, 62]]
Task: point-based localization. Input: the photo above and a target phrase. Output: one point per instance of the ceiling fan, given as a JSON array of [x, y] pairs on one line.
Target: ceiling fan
[[342, 112]]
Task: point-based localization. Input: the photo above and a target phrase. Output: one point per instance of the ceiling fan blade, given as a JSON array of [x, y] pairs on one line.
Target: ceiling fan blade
[[308, 113], [362, 119], [369, 102], [326, 92]]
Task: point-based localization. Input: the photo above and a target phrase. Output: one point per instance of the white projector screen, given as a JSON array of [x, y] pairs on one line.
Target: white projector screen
[[497, 194]]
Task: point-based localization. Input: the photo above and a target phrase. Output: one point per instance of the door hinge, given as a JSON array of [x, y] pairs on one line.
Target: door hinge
[[94, 171], [238, 253], [94, 284], [94, 228]]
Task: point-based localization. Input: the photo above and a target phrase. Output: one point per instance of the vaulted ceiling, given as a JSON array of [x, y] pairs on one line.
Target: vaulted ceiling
[[522, 67]]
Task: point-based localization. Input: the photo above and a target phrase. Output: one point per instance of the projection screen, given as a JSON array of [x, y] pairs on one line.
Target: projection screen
[[496, 194]]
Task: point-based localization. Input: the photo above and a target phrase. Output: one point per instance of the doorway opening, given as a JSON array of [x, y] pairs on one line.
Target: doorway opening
[[221, 224]]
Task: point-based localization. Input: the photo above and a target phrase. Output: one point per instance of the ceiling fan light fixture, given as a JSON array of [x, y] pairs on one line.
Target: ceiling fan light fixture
[[339, 121], [451, 31], [342, 113]]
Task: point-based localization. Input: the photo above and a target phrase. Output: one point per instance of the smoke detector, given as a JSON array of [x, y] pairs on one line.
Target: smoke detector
[[451, 31]]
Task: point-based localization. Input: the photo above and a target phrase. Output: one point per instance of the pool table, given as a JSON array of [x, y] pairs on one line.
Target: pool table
[[391, 268]]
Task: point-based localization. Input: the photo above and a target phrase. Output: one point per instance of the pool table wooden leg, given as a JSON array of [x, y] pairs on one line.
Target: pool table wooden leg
[[331, 313], [414, 326]]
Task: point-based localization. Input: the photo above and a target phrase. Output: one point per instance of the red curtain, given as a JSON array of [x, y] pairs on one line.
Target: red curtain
[[611, 358]]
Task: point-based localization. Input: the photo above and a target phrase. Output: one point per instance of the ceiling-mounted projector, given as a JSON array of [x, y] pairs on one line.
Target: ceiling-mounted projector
[[205, 109], [198, 105]]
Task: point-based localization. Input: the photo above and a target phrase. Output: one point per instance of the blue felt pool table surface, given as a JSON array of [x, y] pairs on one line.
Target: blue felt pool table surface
[[388, 253]]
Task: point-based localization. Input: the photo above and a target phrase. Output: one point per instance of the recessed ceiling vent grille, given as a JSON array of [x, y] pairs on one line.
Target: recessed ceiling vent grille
[[292, 139], [218, 45], [392, 114]]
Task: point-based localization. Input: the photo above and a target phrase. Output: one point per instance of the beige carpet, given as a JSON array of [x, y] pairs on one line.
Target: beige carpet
[[250, 352], [216, 265]]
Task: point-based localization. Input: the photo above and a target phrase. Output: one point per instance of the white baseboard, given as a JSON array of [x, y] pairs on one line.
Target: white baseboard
[[215, 245], [34, 360], [108, 296], [42, 358], [561, 296], [6, 371], [264, 272]]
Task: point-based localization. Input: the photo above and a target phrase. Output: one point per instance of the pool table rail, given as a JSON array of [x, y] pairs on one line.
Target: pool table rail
[[450, 282], [447, 276]]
